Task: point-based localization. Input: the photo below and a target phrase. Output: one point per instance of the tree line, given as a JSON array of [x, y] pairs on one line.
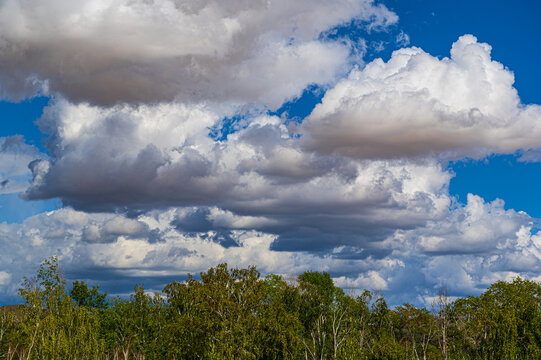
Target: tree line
[[236, 314]]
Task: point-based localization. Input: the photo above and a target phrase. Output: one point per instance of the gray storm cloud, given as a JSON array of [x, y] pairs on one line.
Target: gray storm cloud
[[147, 51]]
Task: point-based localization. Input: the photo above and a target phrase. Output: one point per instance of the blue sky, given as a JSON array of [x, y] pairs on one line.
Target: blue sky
[[394, 144]]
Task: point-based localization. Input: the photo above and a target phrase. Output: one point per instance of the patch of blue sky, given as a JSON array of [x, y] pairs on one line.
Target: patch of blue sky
[[295, 110], [19, 119], [299, 108], [500, 176], [226, 126], [366, 44], [13, 209]]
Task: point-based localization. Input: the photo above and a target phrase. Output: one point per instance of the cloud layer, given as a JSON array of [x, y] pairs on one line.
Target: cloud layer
[[357, 189], [117, 251], [145, 157], [145, 51]]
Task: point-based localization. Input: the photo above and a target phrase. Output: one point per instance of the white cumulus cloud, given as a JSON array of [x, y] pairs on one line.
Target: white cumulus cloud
[[418, 105]]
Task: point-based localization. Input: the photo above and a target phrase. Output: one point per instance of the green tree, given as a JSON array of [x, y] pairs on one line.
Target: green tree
[[10, 337], [52, 326], [503, 322], [280, 322], [222, 312], [417, 328], [88, 297], [325, 314], [383, 343], [135, 326]]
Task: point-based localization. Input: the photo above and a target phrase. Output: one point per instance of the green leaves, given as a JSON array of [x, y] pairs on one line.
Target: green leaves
[[89, 298], [51, 326], [504, 322], [230, 313]]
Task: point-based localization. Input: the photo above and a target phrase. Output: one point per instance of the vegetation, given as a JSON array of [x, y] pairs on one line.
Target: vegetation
[[235, 314]]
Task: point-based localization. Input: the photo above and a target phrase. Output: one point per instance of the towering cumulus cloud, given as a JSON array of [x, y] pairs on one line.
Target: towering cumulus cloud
[[417, 105], [137, 50], [357, 188]]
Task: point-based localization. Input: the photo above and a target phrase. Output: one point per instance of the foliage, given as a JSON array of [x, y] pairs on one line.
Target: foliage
[[51, 326], [89, 298], [234, 314]]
